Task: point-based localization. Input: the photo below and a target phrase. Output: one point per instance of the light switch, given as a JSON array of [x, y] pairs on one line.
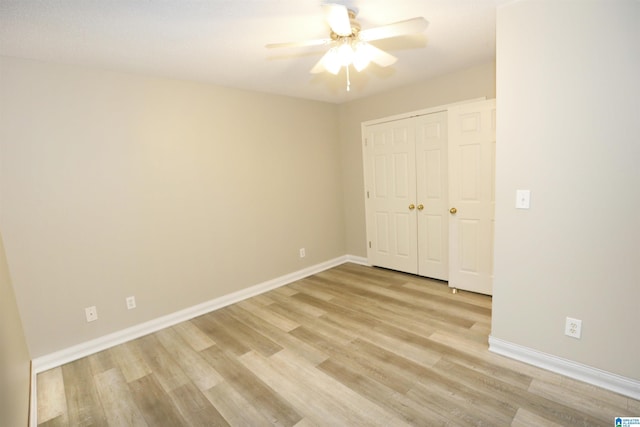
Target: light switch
[[523, 198]]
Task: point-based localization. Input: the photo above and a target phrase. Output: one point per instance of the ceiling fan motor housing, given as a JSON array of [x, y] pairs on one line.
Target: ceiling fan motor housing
[[355, 28]]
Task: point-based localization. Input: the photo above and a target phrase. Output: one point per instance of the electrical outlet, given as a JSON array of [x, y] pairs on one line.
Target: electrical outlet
[[91, 313], [573, 327], [131, 303], [302, 253]]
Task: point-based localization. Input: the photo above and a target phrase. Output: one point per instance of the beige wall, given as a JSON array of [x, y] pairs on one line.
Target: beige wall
[[174, 192], [118, 185], [568, 126], [14, 355], [475, 82]]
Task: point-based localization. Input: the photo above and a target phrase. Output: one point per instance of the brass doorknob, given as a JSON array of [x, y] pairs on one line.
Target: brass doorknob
[[453, 210], [412, 207], [420, 207]]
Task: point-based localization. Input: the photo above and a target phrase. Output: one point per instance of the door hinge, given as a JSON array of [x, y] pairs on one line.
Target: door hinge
[[367, 194], [369, 244], [365, 142]]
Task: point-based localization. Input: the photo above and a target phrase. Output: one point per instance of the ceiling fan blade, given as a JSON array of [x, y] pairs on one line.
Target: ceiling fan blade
[[319, 67], [401, 28], [329, 62], [337, 17], [379, 56], [317, 42]]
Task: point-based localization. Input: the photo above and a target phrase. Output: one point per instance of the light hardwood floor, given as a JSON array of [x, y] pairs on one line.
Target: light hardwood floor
[[352, 346]]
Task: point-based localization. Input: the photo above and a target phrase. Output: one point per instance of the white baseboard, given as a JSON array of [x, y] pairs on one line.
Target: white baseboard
[[59, 358], [607, 380], [357, 260]]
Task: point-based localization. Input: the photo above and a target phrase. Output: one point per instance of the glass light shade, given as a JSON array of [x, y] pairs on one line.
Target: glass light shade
[[345, 54], [331, 61], [361, 56]]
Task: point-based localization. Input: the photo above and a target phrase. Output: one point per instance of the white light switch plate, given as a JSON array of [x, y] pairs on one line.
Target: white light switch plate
[[523, 199]]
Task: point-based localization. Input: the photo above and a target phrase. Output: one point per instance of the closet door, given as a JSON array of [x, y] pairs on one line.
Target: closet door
[[432, 195], [472, 147], [390, 179]]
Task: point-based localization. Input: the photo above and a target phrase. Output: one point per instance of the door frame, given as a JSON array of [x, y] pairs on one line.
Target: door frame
[[422, 112], [397, 117]]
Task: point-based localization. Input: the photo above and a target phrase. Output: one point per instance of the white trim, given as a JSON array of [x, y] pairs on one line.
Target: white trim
[[358, 260], [617, 383], [59, 358], [33, 399], [421, 112]]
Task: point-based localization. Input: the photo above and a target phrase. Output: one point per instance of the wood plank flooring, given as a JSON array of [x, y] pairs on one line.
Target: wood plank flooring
[[353, 346]]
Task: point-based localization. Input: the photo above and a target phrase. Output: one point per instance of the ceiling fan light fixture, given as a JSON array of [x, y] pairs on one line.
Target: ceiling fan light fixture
[[348, 42], [331, 61], [345, 53], [361, 56]]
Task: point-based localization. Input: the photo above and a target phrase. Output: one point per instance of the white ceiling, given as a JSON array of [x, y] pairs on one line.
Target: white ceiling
[[222, 41]]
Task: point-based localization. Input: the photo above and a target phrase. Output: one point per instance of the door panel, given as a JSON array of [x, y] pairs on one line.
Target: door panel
[[472, 193], [380, 176], [468, 245], [401, 175], [469, 156], [433, 187], [391, 225], [382, 232], [435, 245], [432, 193], [404, 241]]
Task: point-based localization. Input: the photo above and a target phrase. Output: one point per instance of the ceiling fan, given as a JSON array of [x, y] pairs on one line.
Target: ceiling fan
[[350, 43]]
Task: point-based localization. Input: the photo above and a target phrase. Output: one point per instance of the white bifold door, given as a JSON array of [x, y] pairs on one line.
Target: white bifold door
[[472, 153], [406, 195], [430, 194]]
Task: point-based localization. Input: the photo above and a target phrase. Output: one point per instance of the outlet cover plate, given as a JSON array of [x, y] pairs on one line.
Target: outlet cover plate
[[573, 327], [91, 313], [523, 199]]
